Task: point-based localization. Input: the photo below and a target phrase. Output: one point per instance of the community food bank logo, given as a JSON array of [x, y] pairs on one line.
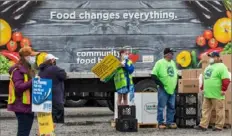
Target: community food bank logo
[[170, 71], [151, 108], [208, 73], [93, 56]]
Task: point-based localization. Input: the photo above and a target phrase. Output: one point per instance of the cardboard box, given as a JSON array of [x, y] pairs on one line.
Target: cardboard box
[[188, 86], [190, 73], [226, 59], [228, 117]]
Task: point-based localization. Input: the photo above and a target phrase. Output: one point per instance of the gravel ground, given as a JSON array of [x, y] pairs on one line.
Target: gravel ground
[[95, 122]]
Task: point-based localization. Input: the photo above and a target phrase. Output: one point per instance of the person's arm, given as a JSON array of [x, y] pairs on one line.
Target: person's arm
[[225, 78], [20, 85], [129, 68], [60, 73], [154, 75]]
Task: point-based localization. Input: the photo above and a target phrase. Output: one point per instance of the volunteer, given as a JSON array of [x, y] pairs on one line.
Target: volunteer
[[123, 79], [19, 99], [49, 70], [215, 83], [165, 75]]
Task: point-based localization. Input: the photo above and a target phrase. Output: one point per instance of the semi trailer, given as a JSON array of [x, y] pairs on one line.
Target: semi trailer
[[82, 32]]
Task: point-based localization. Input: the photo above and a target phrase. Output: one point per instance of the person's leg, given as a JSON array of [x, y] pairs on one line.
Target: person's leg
[[162, 101], [171, 111], [220, 114], [119, 99], [207, 108], [125, 99], [25, 121]]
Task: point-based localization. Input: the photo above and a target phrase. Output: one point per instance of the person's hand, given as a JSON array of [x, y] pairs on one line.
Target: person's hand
[[37, 77], [102, 80], [123, 63]]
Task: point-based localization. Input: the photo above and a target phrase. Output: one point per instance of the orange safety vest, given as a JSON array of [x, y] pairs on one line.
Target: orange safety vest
[[26, 94]]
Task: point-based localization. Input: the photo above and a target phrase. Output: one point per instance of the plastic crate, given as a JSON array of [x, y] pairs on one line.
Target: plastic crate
[[126, 111], [191, 111], [187, 122], [126, 125], [186, 99]]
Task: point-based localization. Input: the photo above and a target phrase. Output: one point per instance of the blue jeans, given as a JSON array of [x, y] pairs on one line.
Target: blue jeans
[[168, 100], [25, 121]]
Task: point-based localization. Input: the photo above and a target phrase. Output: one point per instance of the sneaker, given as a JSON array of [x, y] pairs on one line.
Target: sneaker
[[217, 129], [172, 126], [200, 128], [162, 126]]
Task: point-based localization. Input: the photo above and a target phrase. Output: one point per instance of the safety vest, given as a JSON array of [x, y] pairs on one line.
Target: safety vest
[[26, 99], [120, 79]]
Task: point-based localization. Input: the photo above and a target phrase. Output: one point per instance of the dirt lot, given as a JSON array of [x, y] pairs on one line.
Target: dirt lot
[[96, 122]]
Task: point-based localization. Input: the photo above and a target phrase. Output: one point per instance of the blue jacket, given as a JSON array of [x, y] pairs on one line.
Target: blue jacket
[[57, 75]]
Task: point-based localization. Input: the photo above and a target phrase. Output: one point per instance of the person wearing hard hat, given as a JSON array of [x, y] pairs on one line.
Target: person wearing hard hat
[[215, 83], [165, 75]]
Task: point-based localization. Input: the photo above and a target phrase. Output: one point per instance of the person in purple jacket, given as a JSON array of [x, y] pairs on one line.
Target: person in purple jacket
[[19, 99], [49, 70]]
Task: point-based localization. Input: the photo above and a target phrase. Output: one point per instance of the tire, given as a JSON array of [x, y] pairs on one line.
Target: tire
[[102, 103], [110, 102], [146, 85], [75, 103]]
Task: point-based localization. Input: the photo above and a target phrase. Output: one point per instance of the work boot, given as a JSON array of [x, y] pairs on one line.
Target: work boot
[[172, 126], [162, 126], [200, 128], [217, 129]]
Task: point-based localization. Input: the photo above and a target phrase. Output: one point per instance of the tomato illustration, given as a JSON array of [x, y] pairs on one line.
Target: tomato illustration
[[12, 46], [17, 36], [25, 42]]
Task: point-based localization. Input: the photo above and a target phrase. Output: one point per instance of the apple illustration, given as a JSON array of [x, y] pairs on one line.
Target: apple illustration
[[134, 56]]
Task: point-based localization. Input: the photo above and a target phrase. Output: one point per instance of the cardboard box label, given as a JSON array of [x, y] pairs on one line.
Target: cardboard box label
[[188, 86]]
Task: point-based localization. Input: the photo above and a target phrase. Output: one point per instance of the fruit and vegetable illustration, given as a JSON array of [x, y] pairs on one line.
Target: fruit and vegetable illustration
[[216, 16], [12, 16]]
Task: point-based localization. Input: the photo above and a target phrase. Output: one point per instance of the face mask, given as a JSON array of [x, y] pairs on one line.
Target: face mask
[[31, 59], [211, 60], [125, 57]]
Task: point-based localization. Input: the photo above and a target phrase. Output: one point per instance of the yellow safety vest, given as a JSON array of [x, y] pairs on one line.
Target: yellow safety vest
[[26, 94]]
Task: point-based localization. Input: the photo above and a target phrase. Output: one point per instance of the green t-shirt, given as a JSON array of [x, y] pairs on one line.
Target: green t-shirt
[[166, 71], [213, 76]]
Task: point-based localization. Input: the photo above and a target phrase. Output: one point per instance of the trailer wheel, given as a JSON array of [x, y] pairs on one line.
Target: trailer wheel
[[75, 103], [102, 103], [146, 85], [110, 102]]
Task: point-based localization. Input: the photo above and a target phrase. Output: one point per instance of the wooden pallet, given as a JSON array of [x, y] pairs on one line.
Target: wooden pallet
[[139, 125], [147, 125]]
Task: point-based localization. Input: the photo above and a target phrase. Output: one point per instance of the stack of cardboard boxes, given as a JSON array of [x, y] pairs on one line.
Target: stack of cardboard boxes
[[189, 82], [226, 59]]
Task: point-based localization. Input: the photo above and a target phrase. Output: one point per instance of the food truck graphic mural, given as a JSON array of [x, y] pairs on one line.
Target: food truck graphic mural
[[17, 20]]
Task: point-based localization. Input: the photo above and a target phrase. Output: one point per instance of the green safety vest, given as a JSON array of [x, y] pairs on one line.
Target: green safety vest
[[120, 80]]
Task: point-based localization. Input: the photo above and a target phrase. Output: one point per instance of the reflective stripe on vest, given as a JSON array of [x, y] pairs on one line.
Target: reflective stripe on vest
[[120, 80], [26, 94]]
